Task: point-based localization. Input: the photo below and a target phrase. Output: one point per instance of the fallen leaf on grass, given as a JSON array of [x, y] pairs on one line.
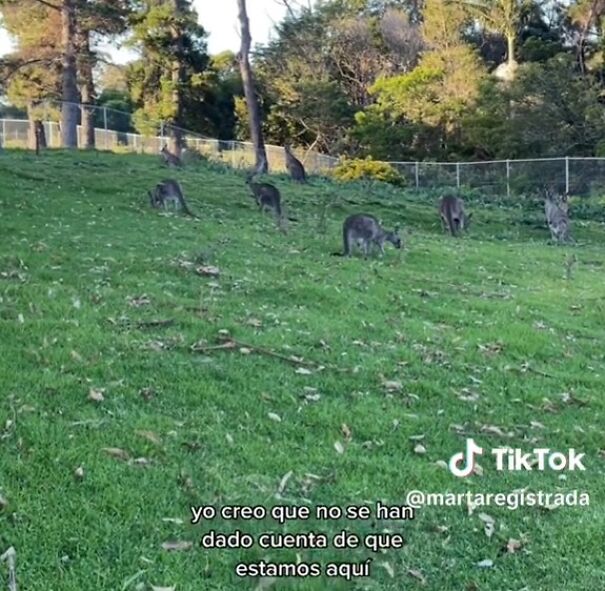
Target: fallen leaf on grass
[[392, 385], [284, 481], [419, 449], [96, 394], [346, 432], [303, 371], [513, 545], [417, 575], [176, 545], [150, 436], [208, 271], [339, 447], [489, 524], [116, 452], [274, 417], [176, 520], [138, 301], [487, 563], [388, 567], [79, 472], [154, 588]]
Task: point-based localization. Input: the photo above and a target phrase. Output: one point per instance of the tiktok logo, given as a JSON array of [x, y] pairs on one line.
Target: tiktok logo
[[468, 466]]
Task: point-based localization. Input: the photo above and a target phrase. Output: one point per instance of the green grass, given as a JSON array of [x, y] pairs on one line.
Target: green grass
[[481, 332]]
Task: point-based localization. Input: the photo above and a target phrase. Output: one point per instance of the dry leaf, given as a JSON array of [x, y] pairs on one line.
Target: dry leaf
[[208, 271], [417, 575], [177, 545], [346, 432], [339, 447], [245, 350], [116, 452], [150, 436], [79, 472], [513, 545], [388, 567], [487, 563], [96, 394], [274, 417], [392, 385], [303, 371], [419, 449], [154, 588], [176, 520], [489, 524], [284, 481]]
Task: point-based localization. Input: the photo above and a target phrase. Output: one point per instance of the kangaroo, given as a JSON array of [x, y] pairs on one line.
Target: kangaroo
[[168, 158], [557, 216], [294, 166], [364, 230], [453, 216], [267, 197], [167, 192]]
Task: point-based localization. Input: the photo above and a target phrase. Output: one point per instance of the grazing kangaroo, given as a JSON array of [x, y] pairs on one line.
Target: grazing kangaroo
[[168, 158], [267, 197], [364, 230], [167, 192], [294, 166], [557, 216], [453, 216]]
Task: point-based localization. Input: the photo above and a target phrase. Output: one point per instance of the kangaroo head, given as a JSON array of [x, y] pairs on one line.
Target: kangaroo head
[[394, 238]]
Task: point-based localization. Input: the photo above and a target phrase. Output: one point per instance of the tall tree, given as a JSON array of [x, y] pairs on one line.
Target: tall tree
[[167, 80], [254, 116]]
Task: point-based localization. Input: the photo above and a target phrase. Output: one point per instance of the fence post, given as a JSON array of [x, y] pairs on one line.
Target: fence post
[[457, 175], [508, 178], [106, 142], [417, 175], [3, 132], [161, 134], [566, 174]]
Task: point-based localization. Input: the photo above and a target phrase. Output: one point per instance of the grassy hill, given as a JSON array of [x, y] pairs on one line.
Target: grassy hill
[[339, 381]]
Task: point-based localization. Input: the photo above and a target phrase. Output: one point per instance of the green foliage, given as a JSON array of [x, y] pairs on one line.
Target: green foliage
[[367, 169]]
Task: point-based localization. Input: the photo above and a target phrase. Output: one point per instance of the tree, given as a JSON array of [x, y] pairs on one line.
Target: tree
[[254, 116], [166, 81], [503, 17]]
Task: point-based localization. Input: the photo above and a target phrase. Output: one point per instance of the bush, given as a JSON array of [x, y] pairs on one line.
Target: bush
[[358, 169]]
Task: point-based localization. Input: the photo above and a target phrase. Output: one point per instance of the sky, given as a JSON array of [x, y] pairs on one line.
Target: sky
[[221, 25]]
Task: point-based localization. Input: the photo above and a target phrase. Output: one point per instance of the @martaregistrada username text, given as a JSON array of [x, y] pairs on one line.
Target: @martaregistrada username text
[[417, 499]]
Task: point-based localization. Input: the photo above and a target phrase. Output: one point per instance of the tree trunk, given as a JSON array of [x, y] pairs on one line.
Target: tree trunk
[[510, 42], [177, 75], [254, 118], [40, 136], [87, 88], [31, 129], [69, 107]]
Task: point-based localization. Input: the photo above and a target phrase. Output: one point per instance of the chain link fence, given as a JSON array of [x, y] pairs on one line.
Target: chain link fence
[[114, 130]]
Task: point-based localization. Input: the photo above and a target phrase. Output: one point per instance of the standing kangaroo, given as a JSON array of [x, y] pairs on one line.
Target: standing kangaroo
[[168, 192], [453, 216], [294, 166], [168, 158], [267, 197], [557, 216], [364, 231]]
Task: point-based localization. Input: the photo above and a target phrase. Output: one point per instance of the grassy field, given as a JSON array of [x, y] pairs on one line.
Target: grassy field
[[117, 414]]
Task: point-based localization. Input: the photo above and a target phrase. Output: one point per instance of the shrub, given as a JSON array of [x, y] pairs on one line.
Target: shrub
[[358, 169]]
